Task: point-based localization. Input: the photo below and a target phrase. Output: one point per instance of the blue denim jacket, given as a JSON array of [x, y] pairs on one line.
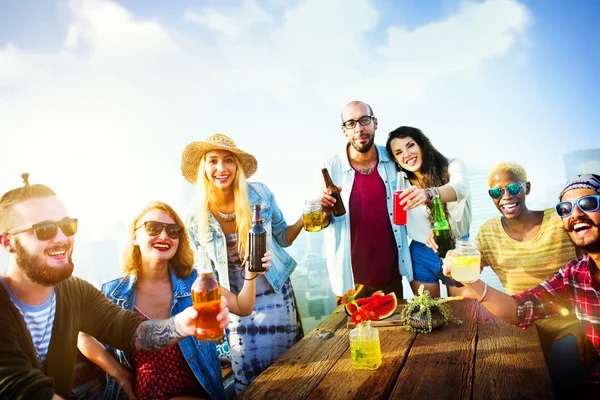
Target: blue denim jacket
[[200, 356], [282, 264], [337, 234]]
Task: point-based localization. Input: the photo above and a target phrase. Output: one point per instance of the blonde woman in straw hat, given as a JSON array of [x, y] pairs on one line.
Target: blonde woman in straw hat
[[221, 218]]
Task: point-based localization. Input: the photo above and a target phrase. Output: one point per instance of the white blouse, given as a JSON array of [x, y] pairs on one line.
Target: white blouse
[[418, 222]]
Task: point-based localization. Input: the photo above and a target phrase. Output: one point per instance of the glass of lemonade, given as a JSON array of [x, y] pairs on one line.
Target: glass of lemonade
[[466, 264], [313, 216], [365, 350]]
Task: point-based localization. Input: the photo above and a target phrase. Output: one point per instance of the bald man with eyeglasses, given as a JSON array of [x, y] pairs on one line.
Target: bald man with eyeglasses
[[366, 252]]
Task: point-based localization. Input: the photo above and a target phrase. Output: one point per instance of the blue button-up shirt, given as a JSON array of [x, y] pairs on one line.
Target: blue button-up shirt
[[337, 234]]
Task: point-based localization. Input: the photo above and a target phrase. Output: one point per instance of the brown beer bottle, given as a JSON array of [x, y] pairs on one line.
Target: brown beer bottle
[[338, 207], [257, 241], [206, 298]]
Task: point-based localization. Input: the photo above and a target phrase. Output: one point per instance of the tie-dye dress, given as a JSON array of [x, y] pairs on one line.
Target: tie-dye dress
[[257, 340]]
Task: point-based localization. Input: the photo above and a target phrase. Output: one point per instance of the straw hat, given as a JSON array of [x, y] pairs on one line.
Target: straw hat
[[193, 152]]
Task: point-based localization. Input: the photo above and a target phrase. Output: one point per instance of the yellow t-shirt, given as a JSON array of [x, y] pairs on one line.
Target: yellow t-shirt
[[523, 265]]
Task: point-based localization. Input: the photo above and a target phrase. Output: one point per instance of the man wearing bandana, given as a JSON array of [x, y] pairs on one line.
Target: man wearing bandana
[[575, 287]]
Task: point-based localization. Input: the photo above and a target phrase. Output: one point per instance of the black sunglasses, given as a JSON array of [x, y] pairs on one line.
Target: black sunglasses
[[585, 204], [47, 230], [154, 228], [513, 189]]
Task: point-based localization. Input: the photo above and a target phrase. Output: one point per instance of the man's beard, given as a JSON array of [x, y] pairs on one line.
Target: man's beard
[[39, 272], [365, 147], [592, 247]]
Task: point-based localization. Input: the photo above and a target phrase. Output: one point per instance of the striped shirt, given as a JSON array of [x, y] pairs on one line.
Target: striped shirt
[[523, 265], [572, 287], [39, 320]]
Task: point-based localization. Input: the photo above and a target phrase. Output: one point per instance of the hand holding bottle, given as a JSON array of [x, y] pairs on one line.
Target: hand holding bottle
[[432, 244], [328, 201], [412, 197], [333, 192], [185, 321], [266, 263]]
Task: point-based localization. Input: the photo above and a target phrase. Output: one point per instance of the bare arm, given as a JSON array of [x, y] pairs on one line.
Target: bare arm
[[500, 304], [97, 353], [292, 231], [243, 303]]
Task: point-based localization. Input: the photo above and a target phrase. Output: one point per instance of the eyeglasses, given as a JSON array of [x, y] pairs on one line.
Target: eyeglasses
[[364, 120], [512, 188], [586, 204], [47, 230], [154, 228]]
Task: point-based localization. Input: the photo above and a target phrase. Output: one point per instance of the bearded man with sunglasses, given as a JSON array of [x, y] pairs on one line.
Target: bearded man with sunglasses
[[43, 307], [575, 287]]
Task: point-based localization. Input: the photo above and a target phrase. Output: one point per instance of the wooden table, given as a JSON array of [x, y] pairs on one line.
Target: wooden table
[[482, 358]]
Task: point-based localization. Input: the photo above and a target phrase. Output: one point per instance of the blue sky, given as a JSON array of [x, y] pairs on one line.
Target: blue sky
[[121, 87]]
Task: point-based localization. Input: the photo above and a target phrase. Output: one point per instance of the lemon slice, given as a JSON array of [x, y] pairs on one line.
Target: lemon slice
[[464, 260]]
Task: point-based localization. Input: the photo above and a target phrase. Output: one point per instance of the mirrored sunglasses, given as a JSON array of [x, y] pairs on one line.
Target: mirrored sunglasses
[[513, 189], [47, 230], [585, 204], [154, 228]]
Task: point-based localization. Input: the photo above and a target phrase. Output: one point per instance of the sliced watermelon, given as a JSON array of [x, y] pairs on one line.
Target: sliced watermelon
[[350, 308], [385, 306]]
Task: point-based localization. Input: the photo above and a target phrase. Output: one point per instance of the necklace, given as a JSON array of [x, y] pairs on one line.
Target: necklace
[[225, 217], [19, 306]]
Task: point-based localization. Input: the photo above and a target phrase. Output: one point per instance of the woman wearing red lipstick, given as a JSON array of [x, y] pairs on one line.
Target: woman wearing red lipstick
[[428, 174], [220, 220], [159, 267]]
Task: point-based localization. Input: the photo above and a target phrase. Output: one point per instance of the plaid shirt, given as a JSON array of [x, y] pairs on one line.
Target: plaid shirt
[[573, 288]]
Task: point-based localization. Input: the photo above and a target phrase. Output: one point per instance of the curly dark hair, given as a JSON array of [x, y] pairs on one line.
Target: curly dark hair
[[434, 169]]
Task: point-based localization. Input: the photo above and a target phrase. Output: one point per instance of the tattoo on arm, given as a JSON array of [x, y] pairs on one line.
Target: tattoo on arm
[[154, 335]]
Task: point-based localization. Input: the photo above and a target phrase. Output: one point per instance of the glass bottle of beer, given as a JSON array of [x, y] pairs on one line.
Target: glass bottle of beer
[[338, 207], [257, 241], [441, 229], [206, 298]]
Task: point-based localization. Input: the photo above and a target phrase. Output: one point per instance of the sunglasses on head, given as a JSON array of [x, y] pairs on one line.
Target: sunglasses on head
[[47, 230], [513, 189], [154, 228], [585, 204]]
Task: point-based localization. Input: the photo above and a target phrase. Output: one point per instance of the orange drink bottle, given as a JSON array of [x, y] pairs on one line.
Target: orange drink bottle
[[206, 298]]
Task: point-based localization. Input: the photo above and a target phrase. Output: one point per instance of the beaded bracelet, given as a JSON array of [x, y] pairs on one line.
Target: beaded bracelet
[[437, 191], [427, 198]]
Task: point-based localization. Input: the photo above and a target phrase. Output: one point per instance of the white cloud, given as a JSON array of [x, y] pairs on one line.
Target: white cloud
[[110, 112]]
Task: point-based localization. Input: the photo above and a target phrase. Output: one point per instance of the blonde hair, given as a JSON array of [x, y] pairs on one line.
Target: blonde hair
[[510, 167], [205, 195], [182, 262]]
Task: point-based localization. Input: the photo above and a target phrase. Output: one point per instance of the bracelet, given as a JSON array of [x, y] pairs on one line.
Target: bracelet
[[484, 292], [437, 192], [244, 278], [427, 197]]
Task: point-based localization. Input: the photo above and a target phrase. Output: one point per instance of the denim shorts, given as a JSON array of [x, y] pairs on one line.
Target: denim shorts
[[427, 265]]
